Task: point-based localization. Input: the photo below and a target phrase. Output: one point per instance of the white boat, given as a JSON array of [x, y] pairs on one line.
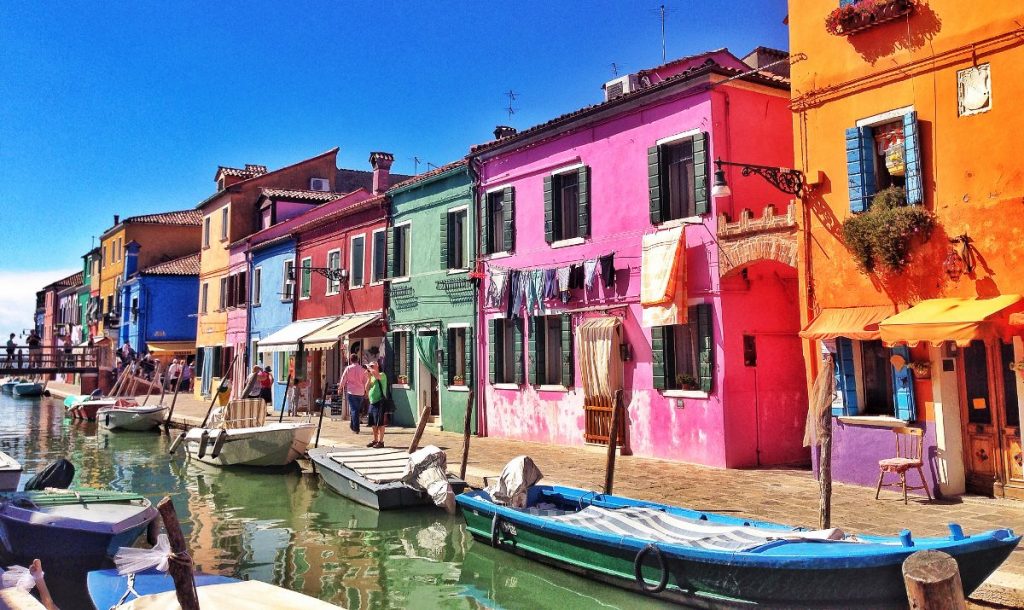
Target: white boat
[[7, 386], [10, 472], [269, 445], [138, 417], [88, 409]]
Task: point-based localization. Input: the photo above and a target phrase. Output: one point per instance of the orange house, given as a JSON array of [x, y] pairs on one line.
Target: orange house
[[922, 96]]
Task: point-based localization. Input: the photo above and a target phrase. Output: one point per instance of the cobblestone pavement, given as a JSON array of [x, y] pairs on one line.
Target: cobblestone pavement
[[781, 495]]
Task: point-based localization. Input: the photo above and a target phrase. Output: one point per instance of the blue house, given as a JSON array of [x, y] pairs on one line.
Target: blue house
[[270, 307], [160, 305]]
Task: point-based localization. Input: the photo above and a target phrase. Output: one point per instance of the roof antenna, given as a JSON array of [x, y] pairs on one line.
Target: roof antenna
[[662, 12], [416, 165], [512, 96], [615, 68]]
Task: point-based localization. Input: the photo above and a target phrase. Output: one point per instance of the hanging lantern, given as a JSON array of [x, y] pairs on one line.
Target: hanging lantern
[[954, 265]]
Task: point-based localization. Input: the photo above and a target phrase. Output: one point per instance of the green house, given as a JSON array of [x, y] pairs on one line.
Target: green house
[[431, 298]]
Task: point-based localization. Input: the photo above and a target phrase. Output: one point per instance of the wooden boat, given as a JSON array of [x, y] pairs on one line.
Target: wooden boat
[[27, 389], [277, 444], [73, 527], [10, 472], [373, 477], [133, 417], [7, 387], [89, 409], [107, 589], [711, 560], [154, 590]]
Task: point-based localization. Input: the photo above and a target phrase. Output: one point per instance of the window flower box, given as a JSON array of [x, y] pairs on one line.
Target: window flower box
[[458, 380], [864, 14]]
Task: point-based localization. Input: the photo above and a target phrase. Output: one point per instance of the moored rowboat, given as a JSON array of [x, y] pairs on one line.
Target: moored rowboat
[[155, 591], [28, 389], [277, 444], [707, 559], [136, 417], [10, 472]]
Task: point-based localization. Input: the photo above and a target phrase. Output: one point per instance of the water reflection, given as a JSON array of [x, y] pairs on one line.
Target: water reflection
[[285, 528]]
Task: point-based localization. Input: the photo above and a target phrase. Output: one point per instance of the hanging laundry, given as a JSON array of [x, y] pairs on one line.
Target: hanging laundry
[[515, 295], [575, 276], [496, 287], [535, 291], [550, 284], [589, 272], [608, 270], [562, 274], [663, 278]]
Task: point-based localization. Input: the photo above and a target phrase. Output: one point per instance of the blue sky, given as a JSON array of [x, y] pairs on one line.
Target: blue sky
[[128, 108]]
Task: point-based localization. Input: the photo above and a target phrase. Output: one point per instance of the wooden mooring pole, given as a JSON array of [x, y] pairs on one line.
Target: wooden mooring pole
[[466, 434], [180, 565], [174, 399], [420, 427], [613, 441], [933, 582], [320, 422]]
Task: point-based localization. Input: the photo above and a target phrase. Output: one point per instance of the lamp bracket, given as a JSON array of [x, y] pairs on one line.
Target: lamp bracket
[[787, 180]]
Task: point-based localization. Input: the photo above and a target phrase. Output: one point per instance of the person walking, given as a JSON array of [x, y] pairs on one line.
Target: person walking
[[378, 395], [12, 346], [354, 379], [187, 372], [35, 349], [174, 374], [266, 382]]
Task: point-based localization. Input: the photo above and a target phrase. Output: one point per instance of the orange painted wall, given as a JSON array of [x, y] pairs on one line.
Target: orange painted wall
[[973, 177]]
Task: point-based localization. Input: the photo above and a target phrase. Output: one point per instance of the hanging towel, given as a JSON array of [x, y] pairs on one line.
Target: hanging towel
[[496, 287], [663, 278], [563, 274], [575, 276], [514, 294], [608, 270], [550, 284], [589, 272]]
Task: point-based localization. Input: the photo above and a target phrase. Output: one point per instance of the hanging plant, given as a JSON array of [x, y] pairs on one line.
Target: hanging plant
[[863, 14], [883, 235]]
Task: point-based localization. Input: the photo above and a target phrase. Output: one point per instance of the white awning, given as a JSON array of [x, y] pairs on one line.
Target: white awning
[[328, 336], [287, 339]]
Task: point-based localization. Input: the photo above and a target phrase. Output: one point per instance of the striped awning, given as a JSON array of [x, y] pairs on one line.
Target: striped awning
[[171, 347], [287, 339], [328, 336]]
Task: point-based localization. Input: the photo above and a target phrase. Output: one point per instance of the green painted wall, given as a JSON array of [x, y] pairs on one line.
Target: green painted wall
[[424, 302]]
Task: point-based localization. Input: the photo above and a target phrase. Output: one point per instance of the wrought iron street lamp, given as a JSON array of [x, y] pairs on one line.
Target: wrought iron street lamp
[[784, 179], [956, 264]]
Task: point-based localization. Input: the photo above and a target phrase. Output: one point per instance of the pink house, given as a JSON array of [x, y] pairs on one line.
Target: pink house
[[724, 386]]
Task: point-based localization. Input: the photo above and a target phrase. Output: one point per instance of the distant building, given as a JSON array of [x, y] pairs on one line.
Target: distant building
[[160, 301]]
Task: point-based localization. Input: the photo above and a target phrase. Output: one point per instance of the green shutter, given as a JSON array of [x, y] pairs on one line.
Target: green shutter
[[549, 211], [567, 356], [700, 174], [469, 357], [390, 365], [705, 347], [536, 350], [485, 225], [492, 333], [410, 355], [391, 253], [517, 349], [583, 178], [444, 239], [654, 183], [508, 210], [658, 357]]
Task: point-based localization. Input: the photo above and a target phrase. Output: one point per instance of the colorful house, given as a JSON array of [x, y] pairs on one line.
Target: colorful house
[[159, 313], [918, 96], [716, 376], [431, 298]]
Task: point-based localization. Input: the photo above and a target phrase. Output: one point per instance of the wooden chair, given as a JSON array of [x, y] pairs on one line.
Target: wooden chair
[[909, 449]]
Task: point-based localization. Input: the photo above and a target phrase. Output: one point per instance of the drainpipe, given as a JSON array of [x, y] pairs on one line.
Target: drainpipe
[[251, 358], [478, 311]]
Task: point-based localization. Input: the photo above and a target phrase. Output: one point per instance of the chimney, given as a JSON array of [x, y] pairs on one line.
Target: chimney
[[381, 163], [504, 131], [117, 219]]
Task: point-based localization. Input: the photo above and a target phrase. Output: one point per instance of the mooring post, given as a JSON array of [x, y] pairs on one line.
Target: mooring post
[[180, 565], [613, 440], [320, 422], [420, 427], [467, 423], [933, 582]]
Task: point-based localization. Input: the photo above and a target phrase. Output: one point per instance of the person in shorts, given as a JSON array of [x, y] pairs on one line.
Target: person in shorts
[[376, 393]]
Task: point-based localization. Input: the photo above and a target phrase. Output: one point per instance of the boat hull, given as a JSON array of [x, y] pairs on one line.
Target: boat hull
[[107, 587], [270, 445], [10, 472], [139, 419], [27, 390], [388, 496], [89, 409], [703, 579]]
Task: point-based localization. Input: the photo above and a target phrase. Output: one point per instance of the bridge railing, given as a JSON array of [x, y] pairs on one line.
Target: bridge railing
[[26, 359]]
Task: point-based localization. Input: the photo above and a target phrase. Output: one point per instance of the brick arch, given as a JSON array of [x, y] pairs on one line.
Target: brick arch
[[740, 253]]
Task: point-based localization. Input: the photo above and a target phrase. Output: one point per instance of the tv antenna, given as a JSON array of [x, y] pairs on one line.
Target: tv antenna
[[615, 68], [512, 97], [416, 165], [662, 13]]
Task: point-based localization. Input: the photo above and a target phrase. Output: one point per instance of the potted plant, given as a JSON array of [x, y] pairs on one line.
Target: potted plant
[[403, 379], [687, 382], [883, 235], [458, 380], [863, 14], [921, 370]]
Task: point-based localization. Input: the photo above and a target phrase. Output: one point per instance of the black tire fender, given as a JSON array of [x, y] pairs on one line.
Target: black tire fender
[[204, 440], [638, 569]]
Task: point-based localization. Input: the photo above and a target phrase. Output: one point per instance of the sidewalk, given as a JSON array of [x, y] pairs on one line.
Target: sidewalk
[[786, 496]]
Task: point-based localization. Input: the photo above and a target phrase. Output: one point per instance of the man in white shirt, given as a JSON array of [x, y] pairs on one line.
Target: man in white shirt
[[353, 380]]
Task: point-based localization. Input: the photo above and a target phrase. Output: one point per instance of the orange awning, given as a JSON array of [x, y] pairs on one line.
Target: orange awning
[[851, 322], [1017, 319], [960, 320]]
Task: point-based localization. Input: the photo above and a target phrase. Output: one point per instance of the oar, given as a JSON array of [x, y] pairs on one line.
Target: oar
[[224, 383], [174, 399], [163, 384], [284, 401], [149, 388], [320, 424]]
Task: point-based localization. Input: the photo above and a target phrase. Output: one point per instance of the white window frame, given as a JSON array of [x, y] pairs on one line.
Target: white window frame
[[225, 222], [884, 117], [407, 254], [466, 346], [302, 274], [487, 211], [465, 239], [256, 298], [285, 296], [352, 262], [373, 258], [333, 287], [572, 241], [685, 220]]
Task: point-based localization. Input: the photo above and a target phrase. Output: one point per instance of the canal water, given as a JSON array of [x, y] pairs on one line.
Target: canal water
[[287, 529]]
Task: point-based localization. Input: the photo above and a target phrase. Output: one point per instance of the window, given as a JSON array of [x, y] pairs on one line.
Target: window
[[506, 351], [495, 218], [110, 304], [223, 294], [401, 236], [551, 351], [288, 288], [682, 354], [454, 235], [357, 264], [380, 255], [206, 232], [677, 178], [103, 258], [307, 278], [204, 295], [333, 263], [267, 216], [459, 356], [135, 309], [224, 223], [567, 204], [119, 251], [868, 381], [257, 286], [884, 151], [402, 364], [241, 288]]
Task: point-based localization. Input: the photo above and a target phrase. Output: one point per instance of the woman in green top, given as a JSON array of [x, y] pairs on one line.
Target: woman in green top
[[376, 391]]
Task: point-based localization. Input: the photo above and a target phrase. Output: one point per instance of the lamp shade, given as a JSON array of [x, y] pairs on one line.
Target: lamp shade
[[720, 188]]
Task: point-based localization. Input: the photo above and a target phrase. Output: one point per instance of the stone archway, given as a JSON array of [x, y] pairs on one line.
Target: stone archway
[[749, 240]]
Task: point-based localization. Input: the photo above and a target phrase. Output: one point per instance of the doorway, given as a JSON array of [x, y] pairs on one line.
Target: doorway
[[427, 367]]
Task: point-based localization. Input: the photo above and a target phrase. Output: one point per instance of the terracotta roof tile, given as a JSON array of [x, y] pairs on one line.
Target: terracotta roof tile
[[301, 194], [249, 171], [192, 218], [427, 175], [186, 265], [320, 221], [75, 279]]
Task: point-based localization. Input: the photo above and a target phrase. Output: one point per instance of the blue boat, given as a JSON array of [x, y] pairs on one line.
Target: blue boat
[[108, 589], [710, 560]]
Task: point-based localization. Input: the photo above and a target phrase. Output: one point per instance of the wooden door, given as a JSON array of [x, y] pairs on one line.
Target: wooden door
[[1013, 483], [982, 448]]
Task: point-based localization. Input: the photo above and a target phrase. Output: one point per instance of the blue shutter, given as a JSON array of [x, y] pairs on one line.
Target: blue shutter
[[846, 378], [845, 2], [860, 167], [903, 387], [912, 158]]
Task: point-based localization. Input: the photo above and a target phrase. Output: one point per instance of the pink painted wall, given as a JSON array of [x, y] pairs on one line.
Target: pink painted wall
[[696, 430]]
